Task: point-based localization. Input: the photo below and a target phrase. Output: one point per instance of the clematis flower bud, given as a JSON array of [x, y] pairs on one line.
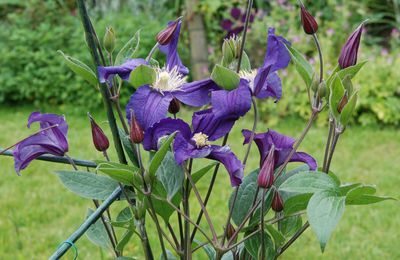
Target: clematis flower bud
[[109, 39], [310, 26], [230, 231], [277, 202], [174, 106], [342, 102], [100, 140], [266, 175], [348, 55], [136, 133], [166, 35]]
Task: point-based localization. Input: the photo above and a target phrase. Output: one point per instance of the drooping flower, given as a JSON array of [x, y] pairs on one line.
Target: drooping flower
[[51, 140], [348, 55], [100, 139], [196, 143], [308, 22], [282, 144]]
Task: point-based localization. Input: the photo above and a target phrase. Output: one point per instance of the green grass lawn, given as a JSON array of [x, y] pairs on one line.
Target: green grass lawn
[[37, 212]]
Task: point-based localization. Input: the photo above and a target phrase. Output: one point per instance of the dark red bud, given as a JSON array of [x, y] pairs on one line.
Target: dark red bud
[[174, 106], [348, 55], [266, 175], [165, 36], [310, 26], [136, 134], [277, 202], [100, 140], [342, 103]]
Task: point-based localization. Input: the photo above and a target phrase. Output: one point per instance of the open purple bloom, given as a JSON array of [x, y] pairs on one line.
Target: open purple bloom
[[52, 140], [196, 143], [123, 70], [283, 146], [265, 82]]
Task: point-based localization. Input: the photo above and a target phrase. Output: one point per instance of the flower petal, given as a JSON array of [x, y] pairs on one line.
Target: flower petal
[[234, 103], [272, 87], [277, 55], [214, 127], [23, 155], [123, 70], [232, 164], [171, 50], [185, 149], [165, 127], [306, 158], [148, 105], [196, 93]]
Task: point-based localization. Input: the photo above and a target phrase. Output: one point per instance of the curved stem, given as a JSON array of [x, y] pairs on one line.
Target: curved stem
[[321, 62], [328, 143], [153, 50]]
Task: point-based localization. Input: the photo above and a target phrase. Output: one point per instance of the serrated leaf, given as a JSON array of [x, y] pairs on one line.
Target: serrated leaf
[[170, 175], [97, 233], [80, 69], [324, 212], [308, 182], [142, 75], [88, 185], [160, 154], [225, 78], [129, 50], [302, 66]]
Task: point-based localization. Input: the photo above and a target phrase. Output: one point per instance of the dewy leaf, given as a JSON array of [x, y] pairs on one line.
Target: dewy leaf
[[88, 185], [129, 50], [142, 75], [302, 66], [309, 182], [225, 77], [128, 147], [324, 212], [170, 175], [200, 173], [160, 154], [97, 233], [81, 69]]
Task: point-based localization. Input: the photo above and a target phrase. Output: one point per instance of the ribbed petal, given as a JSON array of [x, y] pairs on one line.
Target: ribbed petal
[[214, 127], [348, 55], [232, 164], [24, 155], [171, 50], [123, 70], [196, 93], [149, 106], [163, 128]]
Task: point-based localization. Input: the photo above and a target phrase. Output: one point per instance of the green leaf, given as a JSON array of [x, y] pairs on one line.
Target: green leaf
[[289, 226], [170, 256], [351, 71], [128, 146], [277, 236], [170, 175], [348, 109], [200, 173], [142, 75], [324, 212], [161, 207], [345, 188], [160, 154], [253, 244], [80, 69], [296, 203], [88, 185], [119, 172], [125, 215], [309, 182], [245, 63], [286, 175], [124, 258], [225, 77], [124, 240], [302, 66], [336, 95], [97, 233], [208, 249], [363, 195], [129, 50]]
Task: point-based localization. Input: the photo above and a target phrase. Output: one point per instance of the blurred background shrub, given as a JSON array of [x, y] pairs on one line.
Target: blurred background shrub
[[31, 32]]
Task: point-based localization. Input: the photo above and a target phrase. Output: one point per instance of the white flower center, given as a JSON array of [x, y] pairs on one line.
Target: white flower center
[[201, 140], [249, 75], [168, 80]]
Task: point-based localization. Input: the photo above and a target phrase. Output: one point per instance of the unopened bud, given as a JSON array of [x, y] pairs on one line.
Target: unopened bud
[[136, 133], [277, 202], [314, 84], [230, 231], [109, 39], [322, 90], [348, 55], [165, 36], [174, 106], [266, 175], [310, 26], [100, 140], [342, 103]]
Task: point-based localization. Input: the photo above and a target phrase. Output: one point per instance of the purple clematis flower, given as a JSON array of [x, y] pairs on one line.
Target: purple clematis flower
[[51, 140], [196, 143], [283, 146], [150, 102], [265, 82], [106, 74], [235, 25]]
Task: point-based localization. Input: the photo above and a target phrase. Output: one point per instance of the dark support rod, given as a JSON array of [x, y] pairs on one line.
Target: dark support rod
[[58, 159], [85, 225]]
